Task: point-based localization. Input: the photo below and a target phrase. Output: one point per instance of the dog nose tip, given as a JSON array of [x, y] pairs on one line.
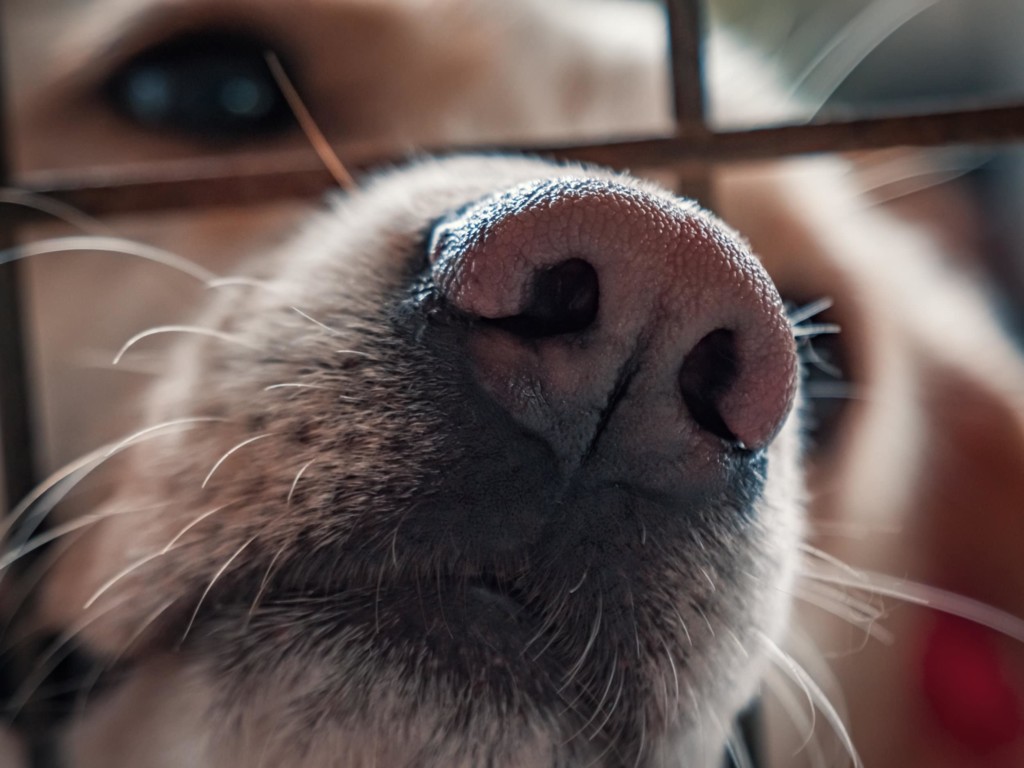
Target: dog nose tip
[[618, 269]]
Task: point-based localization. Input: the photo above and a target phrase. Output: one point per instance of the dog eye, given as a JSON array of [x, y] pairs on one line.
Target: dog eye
[[205, 86], [824, 371]]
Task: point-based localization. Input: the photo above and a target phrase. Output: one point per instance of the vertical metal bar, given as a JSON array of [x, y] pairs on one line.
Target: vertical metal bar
[[16, 443], [686, 40], [686, 46]]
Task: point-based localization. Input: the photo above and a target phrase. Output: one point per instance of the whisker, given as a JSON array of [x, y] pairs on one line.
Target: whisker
[[53, 207], [911, 185], [857, 613], [295, 385], [316, 138], [90, 682], [238, 280], [807, 311], [816, 329], [217, 575], [738, 750], [184, 531], [871, 27], [832, 390], [263, 584], [809, 354], [123, 573], [118, 245], [817, 697], [935, 598], [314, 321], [193, 329], [803, 723], [295, 482], [142, 561], [53, 655], [75, 471], [675, 672], [60, 531], [229, 453], [595, 628]]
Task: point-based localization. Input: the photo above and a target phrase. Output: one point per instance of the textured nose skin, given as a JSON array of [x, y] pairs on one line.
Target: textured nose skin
[[596, 290]]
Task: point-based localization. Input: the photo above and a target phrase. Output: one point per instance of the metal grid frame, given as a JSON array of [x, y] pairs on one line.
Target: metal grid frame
[[692, 151]]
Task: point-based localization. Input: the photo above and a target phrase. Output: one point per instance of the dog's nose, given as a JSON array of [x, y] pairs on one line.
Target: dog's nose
[[591, 295]]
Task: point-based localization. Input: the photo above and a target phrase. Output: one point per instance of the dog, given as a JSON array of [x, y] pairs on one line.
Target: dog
[[207, 644]]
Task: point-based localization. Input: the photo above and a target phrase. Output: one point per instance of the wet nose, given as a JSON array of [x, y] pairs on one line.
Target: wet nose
[[590, 292]]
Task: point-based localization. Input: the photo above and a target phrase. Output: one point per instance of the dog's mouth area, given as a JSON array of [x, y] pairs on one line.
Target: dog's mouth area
[[475, 601]]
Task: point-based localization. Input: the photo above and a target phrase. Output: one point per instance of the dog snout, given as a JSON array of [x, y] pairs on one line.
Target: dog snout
[[590, 295]]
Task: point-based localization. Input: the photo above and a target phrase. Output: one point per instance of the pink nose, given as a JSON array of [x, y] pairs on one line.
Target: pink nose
[[592, 292]]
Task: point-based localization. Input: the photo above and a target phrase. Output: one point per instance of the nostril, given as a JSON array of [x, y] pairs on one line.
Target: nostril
[[708, 372], [563, 299]]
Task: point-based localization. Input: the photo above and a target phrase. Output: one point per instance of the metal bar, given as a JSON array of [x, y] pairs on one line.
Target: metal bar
[[686, 34], [16, 436], [686, 49], [250, 179]]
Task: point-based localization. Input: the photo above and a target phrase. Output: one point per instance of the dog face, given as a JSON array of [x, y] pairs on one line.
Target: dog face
[[485, 481], [388, 453]]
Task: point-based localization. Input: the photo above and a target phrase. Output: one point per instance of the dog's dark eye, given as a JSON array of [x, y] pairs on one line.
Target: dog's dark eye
[[206, 86], [824, 369]]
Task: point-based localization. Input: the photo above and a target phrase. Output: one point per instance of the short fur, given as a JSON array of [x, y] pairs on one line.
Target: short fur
[[288, 688]]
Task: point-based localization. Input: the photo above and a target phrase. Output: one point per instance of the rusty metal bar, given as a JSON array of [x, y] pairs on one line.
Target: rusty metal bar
[[686, 45], [251, 179], [686, 54], [16, 435]]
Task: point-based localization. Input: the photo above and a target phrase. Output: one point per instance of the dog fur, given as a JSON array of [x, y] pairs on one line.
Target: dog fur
[[931, 447]]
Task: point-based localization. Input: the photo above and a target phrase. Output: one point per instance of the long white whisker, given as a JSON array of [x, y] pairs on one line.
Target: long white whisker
[[807, 311], [63, 530], [738, 750], [73, 472], [263, 584], [935, 598], [832, 390], [196, 330], [178, 536], [241, 281], [217, 575], [874, 24], [128, 570], [124, 572], [816, 329], [803, 723], [229, 453], [827, 557], [90, 682], [788, 664], [119, 245], [53, 207], [314, 321], [857, 613], [295, 482], [159, 428], [52, 657], [591, 640]]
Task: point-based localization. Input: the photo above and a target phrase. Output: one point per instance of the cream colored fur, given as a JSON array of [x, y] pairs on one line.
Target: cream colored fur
[[920, 339]]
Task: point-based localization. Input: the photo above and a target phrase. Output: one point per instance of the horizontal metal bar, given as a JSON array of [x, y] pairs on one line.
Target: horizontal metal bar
[[261, 178]]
